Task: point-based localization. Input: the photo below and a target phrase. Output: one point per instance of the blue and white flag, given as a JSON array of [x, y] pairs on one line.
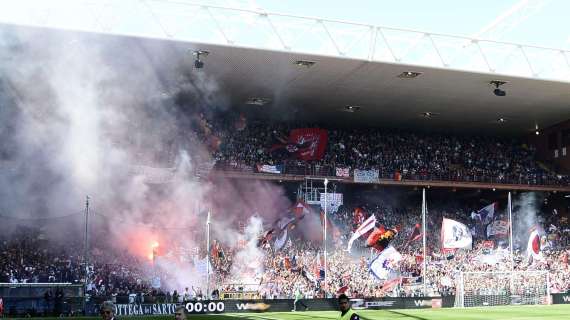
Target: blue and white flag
[[485, 215], [386, 266]]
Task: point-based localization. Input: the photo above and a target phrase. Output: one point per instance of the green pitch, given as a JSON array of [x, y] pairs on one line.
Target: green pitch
[[553, 312], [490, 313]]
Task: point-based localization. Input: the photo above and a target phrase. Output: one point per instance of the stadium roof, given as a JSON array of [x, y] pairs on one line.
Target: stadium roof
[[252, 56]]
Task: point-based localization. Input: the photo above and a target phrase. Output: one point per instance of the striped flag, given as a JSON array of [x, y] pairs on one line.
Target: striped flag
[[364, 228]]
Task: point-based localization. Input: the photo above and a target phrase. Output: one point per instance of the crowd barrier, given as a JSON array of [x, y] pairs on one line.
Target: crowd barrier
[[36, 307], [279, 305]]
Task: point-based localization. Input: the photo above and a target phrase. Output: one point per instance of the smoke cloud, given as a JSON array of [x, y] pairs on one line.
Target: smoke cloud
[[113, 119]]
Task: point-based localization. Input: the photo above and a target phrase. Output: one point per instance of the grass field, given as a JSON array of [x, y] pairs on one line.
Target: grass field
[[554, 312]]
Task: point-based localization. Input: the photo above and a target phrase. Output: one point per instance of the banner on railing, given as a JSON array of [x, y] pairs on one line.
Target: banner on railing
[[334, 201], [144, 309], [265, 168], [343, 172], [366, 176]]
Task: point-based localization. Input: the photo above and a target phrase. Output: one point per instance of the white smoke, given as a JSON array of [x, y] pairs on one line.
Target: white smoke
[[84, 111], [248, 262], [525, 215]]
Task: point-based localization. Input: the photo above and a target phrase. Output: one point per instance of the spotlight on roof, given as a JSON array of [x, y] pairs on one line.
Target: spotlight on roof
[[498, 92], [428, 114], [199, 64], [352, 108], [257, 101], [409, 74], [304, 63]]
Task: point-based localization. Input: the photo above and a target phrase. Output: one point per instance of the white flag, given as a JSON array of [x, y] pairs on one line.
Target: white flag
[[455, 235], [386, 265], [364, 227]]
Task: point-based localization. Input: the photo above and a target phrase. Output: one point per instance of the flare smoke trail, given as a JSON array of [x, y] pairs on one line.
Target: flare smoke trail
[[525, 209]]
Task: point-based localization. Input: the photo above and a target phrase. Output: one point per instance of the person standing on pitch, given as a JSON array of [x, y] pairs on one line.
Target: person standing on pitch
[[180, 313], [108, 311], [346, 312], [298, 297]]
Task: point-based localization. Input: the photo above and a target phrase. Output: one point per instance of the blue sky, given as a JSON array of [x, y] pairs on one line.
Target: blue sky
[[549, 26]]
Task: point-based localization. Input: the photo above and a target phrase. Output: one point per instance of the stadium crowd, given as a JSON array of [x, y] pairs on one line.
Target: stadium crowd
[[396, 155], [296, 267]]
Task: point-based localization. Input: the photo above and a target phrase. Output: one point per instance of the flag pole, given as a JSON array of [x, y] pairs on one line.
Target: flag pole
[[511, 227], [510, 209], [208, 256], [424, 267], [325, 237]]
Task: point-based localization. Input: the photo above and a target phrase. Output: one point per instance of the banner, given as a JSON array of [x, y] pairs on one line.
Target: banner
[[386, 265], [122, 310], [269, 168], [343, 172], [366, 176], [334, 201], [455, 235], [561, 298], [498, 228]]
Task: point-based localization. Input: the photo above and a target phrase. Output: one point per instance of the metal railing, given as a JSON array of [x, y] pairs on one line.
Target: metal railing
[[307, 169]]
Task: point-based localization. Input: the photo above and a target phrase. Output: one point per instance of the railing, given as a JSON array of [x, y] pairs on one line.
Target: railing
[[300, 168]]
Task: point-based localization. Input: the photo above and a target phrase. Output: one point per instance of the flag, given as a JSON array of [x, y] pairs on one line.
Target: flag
[[358, 216], [265, 237], [364, 228], [415, 235], [381, 237], [284, 222], [301, 209], [303, 144], [319, 267], [389, 285], [386, 265], [331, 228], [498, 228], [533, 245], [455, 235], [280, 241], [486, 214], [342, 290]]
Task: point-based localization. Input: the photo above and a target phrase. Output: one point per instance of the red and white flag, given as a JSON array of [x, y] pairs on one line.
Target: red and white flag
[[533, 246], [364, 228]]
